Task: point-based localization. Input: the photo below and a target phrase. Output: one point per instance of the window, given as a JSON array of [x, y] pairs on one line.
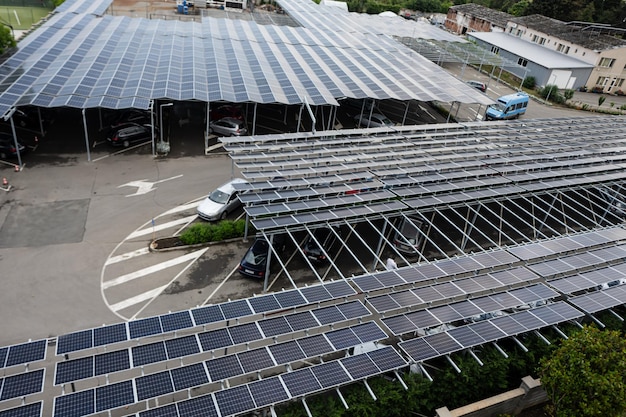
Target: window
[[620, 81], [495, 50], [562, 48], [606, 62], [542, 41], [602, 81], [523, 62]]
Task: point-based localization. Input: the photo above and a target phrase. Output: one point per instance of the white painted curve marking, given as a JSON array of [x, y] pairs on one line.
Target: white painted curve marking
[[163, 226], [154, 268], [126, 256], [138, 298], [145, 186]]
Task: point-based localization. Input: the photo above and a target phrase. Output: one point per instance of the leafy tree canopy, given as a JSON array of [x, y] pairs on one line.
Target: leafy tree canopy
[[6, 39], [586, 375]]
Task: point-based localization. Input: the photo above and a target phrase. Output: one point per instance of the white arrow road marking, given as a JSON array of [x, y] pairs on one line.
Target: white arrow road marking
[[180, 208], [138, 298], [126, 256], [151, 269], [145, 186], [160, 227]]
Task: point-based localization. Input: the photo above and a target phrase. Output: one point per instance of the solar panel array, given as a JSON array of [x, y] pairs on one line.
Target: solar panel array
[[334, 175], [81, 60]]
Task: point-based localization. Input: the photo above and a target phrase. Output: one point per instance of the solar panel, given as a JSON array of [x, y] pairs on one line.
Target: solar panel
[[79, 403], [74, 370], [209, 314], [25, 353], [300, 382], [30, 410], [330, 374], [176, 321], [290, 298], [315, 293], [74, 342], [166, 411], [189, 376], [275, 326], [199, 406], [3, 356], [182, 346], [151, 353], [353, 309], [465, 336], [368, 332], [245, 333], [109, 334], [236, 309], [109, 362], [264, 303], [256, 359], [234, 400], [443, 343], [224, 367], [387, 359], [328, 315], [339, 289], [359, 366], [418, 349], [215, 339], [314, 345], [154, 385], [20, 385], [286, 352], [343, 338], [367, 283], [487, 330], [144, 327], [399, 324], [267, 392], [301, 321], [114, 395], [508, 325]]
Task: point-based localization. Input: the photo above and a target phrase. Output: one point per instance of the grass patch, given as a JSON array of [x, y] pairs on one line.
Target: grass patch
[[214, 232], [22, 18]]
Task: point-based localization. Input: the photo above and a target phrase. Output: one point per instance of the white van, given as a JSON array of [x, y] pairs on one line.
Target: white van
[[510, 106]]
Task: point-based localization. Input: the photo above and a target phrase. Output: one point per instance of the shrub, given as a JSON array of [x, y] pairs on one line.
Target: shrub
[[568, 94], [549, 91], [529, 83], [601, 100], [213, 232]]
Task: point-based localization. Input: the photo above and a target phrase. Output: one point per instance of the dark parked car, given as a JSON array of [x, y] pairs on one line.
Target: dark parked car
[[254, 262], [326, 238], [409, 237], [226, 110], [139, 117], [7, 146], [130, 133]]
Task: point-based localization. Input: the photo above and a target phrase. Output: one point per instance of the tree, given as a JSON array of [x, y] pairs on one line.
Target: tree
[[6, 39], [586, 375]]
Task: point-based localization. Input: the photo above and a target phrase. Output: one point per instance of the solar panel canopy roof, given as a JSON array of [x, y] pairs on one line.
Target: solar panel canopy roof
[[83, 60]]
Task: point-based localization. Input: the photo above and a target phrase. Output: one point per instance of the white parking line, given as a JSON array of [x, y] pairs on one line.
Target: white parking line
[[137, 299], [155, 268], [126, 256], [157, 228], [180, 208]]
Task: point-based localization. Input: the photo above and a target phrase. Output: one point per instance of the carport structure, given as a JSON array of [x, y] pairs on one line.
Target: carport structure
[[84, 59], [466, 187]]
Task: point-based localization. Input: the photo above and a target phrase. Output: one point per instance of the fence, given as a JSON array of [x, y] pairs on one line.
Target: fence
[[22, 18], [529, 394]]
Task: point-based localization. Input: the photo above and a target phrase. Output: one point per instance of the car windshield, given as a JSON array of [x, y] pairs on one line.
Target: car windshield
[[257, 254], [219, 197], [386, 121], [410, 231], [499, 106]]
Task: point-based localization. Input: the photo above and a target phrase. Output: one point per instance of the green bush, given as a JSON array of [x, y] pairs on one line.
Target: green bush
[[529, 83], [568, 94], [213, 232]]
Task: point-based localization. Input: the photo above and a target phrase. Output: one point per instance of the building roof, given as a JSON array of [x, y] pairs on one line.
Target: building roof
[[84, 60], [531, 51], [496, 17], [587, 38]]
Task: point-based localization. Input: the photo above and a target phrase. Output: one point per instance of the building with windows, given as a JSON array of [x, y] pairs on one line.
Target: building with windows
[[472, 17], [591, 43]]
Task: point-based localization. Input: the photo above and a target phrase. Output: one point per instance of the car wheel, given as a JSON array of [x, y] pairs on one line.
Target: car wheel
[[224, 215], [126, 144]]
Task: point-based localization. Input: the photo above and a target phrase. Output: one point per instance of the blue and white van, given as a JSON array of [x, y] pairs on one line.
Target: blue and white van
[[510, 106]]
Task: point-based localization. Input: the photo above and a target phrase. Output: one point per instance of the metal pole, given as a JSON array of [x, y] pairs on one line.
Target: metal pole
[[17, 145], [86, 135], [152, 124]]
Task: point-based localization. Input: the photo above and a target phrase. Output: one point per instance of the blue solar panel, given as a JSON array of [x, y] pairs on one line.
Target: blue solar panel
[[236, 309], [215, 339], [151, 353], [301, 382], [286, 352], [267, 392], [264, 303], [234, 400], [74, 342], [25, 353], [21, 385], [330, 374], [109, 334], [176, 321], [200, 406], [167, 411], [74, 370], [359, 366], [77, 404], [114, 395], [30, 410], [224, 367], [387, 359], [109, 362], [189, 376], [144, 327], [210, 314], [3, 356], [301, 321], [245, 333], [154, 385], [290, 298], [182, 346], [256, 359]]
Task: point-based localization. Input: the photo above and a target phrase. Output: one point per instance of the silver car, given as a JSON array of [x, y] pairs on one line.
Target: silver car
[[222, 201], [228, 126], [376, 120]]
